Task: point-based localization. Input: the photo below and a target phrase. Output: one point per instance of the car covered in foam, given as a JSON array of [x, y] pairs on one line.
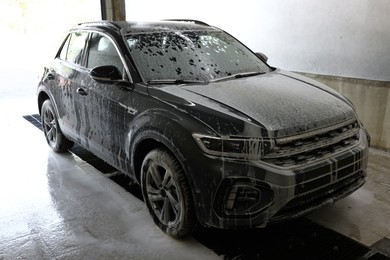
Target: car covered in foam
[[212, 133]]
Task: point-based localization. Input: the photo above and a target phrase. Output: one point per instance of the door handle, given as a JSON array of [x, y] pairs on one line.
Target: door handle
[[81, 92]]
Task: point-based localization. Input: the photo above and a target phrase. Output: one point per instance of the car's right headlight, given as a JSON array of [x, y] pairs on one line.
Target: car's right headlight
[[245, 148]]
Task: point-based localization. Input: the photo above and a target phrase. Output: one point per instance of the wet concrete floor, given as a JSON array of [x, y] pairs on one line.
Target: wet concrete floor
[[71, 206]]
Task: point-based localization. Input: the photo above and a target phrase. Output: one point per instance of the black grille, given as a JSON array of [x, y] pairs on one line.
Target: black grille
[[314, 145], [308, 202]]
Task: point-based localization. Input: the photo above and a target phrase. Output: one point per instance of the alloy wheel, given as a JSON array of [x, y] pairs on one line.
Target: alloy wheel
[[163, 194], [50, 126]]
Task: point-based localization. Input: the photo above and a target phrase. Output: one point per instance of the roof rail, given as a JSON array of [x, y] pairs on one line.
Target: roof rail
[[102, 22], [115, 25], [187, 20]]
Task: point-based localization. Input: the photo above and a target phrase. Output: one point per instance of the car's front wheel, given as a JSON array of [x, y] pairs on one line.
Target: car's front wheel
[[54, 137], [167, 193]]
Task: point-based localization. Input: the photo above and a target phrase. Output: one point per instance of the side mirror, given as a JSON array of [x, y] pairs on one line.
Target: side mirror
[[262, 56], [106, 74]]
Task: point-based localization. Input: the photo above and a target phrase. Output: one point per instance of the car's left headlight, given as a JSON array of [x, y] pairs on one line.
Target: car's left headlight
[[246, 148]]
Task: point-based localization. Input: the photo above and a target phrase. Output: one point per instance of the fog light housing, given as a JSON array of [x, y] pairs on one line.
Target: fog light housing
[[242, 198]]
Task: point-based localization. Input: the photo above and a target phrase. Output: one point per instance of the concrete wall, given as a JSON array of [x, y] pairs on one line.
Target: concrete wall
[[372, 102], [349, 38]]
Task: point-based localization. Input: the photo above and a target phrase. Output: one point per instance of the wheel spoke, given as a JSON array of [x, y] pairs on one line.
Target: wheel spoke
[[54, 132], [174, 204], [153, 191], [155, 198], [170, 184], [50, 134], [48, 115], [165, 213], [46, 121], [154, 194], [155, 175], [167, 178]]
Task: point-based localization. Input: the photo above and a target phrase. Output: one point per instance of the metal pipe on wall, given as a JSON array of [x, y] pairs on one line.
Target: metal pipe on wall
[[113, 10]]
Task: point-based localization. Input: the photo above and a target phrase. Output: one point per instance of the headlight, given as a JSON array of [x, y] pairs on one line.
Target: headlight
[[251, 148]]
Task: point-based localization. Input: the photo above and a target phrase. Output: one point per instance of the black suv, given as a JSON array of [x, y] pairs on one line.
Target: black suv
[[212, 133]]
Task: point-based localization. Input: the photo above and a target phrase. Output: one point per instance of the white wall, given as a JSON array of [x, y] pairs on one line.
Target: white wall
[[32, 31], [348, 38]]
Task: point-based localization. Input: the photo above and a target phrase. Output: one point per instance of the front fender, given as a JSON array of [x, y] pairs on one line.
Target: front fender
[[168, 130], [172, 130]]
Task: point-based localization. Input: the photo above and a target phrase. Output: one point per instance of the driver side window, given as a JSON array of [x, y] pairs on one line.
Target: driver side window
[[101, 52]]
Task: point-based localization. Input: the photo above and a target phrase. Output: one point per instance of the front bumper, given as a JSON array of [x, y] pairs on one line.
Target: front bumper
[[253, 194]]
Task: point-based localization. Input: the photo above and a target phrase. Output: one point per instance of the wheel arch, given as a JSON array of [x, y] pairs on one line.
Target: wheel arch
[[162, 129], [152, 139], [141, 150], [42, 96]]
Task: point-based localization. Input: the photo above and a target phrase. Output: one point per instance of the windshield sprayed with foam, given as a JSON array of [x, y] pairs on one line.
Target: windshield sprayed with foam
[[191, 55]]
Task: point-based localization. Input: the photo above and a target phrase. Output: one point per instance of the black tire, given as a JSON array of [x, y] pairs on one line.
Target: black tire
[[54, 137], [167, 194]]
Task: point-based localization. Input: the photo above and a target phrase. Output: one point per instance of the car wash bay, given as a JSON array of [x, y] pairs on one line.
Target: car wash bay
[[73, 206]]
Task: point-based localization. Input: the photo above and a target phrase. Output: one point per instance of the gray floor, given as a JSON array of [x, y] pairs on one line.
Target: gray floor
[[58, 206]]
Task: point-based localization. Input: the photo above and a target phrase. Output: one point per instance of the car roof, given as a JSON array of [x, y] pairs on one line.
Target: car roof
[[129, 27]]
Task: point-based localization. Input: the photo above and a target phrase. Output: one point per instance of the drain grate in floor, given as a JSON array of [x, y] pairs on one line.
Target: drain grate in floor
[[34, 119], [298, 239]]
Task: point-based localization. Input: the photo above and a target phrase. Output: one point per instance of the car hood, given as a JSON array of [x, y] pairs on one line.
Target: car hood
[[283, 103]]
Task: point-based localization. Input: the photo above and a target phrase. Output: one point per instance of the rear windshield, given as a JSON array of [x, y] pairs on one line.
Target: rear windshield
[[191, 55]]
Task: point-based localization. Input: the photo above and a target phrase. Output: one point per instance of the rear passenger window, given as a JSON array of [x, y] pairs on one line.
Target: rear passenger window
[[102, 52], [76, 47]]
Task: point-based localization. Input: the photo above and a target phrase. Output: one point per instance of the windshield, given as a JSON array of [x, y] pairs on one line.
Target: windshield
[[191, 56]]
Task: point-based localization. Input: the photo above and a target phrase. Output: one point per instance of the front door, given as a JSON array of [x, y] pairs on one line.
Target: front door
[[107, 105]]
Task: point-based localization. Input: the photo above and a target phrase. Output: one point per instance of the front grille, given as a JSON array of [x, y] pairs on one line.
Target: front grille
[[295, 150], [308, 202]]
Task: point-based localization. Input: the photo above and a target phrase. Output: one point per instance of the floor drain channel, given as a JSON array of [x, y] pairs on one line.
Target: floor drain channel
[[298, 239]]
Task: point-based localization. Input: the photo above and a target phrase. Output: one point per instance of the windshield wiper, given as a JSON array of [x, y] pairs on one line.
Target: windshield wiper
[[239, 75], [174, 81]]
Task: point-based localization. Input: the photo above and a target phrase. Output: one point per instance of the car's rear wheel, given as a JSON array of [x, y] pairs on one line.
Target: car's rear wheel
[[54, 137], [167, 193]]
